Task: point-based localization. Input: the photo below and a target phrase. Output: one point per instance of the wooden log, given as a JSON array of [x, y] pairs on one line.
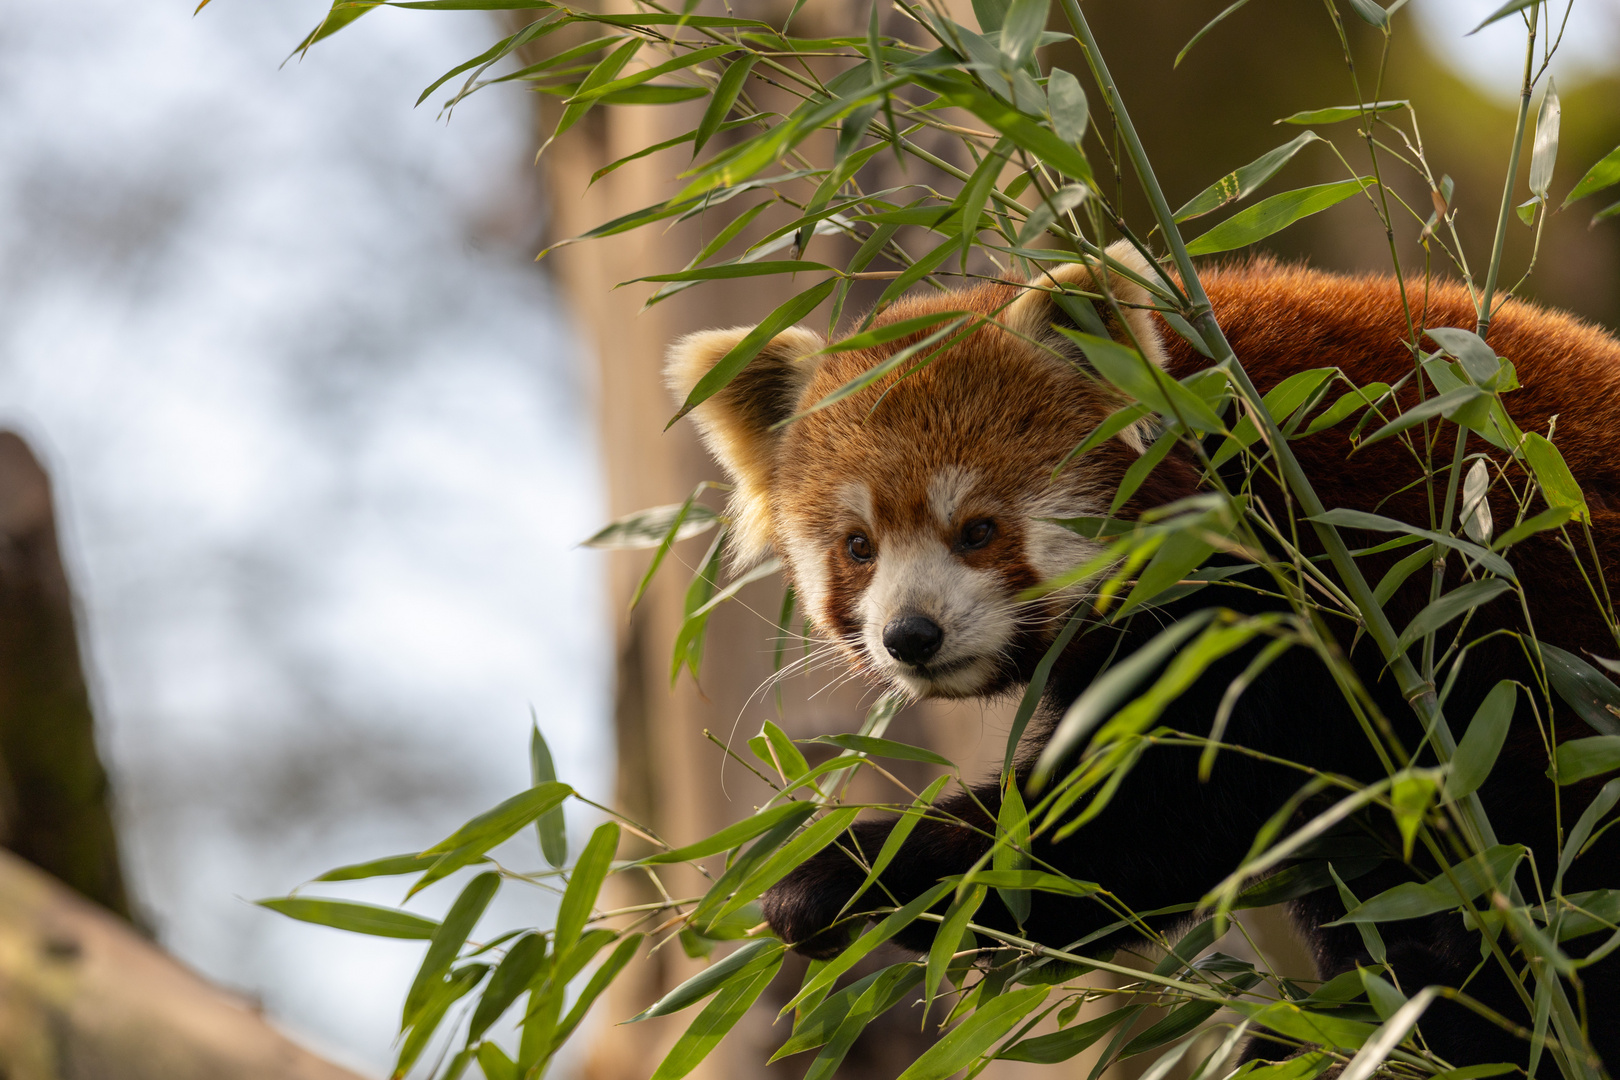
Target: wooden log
[[82, 994]]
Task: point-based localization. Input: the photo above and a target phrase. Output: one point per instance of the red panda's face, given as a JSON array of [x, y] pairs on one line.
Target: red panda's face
[[913, 514]]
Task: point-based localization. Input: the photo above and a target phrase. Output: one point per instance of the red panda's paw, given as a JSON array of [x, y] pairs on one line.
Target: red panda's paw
[[803, 908]]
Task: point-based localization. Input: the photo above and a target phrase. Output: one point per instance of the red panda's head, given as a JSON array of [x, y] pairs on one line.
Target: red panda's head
[[912, 513]]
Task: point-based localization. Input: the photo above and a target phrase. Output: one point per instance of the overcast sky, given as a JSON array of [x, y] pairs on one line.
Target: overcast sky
[[322, 448]]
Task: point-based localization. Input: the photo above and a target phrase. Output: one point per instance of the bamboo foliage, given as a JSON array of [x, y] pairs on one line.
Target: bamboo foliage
[[796, 126]]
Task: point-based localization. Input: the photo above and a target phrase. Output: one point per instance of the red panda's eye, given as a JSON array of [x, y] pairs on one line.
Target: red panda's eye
[[860, 548], [976, 534]]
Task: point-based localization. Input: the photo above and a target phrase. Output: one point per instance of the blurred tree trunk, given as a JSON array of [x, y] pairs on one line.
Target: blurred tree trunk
[[82, 993], [53, 790], [84, 997]]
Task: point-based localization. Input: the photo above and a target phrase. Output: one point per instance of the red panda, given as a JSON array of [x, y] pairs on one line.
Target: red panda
[[912, 515]]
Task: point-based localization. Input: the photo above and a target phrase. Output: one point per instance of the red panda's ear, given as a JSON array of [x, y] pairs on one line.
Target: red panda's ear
[[1034, 312], [736, 423]]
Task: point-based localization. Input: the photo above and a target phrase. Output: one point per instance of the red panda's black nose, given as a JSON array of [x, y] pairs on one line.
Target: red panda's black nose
[[912, 639]]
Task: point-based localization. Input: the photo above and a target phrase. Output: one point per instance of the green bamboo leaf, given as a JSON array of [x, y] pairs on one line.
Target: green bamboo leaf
[[720, 1016], [1230, 9], [734, 835], [1105, 693], [1557, 483], [1477, 752], [1241, 183], [1584, 688], [975, 1035], [1582, 759], [891, 925], [1272, 215], [354, 917], [600, 979], [679, 63], [1037, 880], [1137, 377], [495, 1064], [688, 649], [1288, 1019], [1605, 214], [750, 346], [897, 837], [712, 978], [1361, 397], [512, 977], [894, 331], [883, 748], [648, 528], [1358, 519], [444, 994], [1067, 106], [583, 885], [1063, 1045], [551, 826], [1464, 598], [949, 937], [1024, 132], [990, 14], [1606, 173], [605, 72], [1601, 805], [1551, 518], [1021, 30], [1478, 359], [790, 857], [891, 986], [447, 941], [1490, 869], [1179, 1021], [467, 844], [1341, 112], [725, 96], [1503, 12], [391, 866], [1370, 13], [1011, 852], [342, 13]]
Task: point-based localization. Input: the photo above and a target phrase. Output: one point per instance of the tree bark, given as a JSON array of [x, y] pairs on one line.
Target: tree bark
[[54, 794], [84, 997]]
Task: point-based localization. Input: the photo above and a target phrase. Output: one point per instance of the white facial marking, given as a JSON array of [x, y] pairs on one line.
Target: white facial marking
[[919, 575], [807, 555], [856, 497], [947, 489], [1052, 549]]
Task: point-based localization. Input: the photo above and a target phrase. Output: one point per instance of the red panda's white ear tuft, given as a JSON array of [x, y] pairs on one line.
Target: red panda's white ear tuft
[[1033, 313], [736, 423]]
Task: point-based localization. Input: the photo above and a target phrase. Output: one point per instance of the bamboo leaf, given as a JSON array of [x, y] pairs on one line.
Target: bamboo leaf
[[1358, 519], [1557, 484], [1066, 104], [354, 917], [1477, 752], [975, 1035], [883, 748], [1584, 688], [1338, 113], [648, 528], [1545, 154], [1503, 12], [512, 977], [1606, 173], [720, 1015], [447, 941], [583, 885], [711, 978], [949, 936], [1452, 605], [750, 346], [1270, 216], [1370, 13], [551, 826], [1582, 759], [1241, 183], [1230, 9]]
